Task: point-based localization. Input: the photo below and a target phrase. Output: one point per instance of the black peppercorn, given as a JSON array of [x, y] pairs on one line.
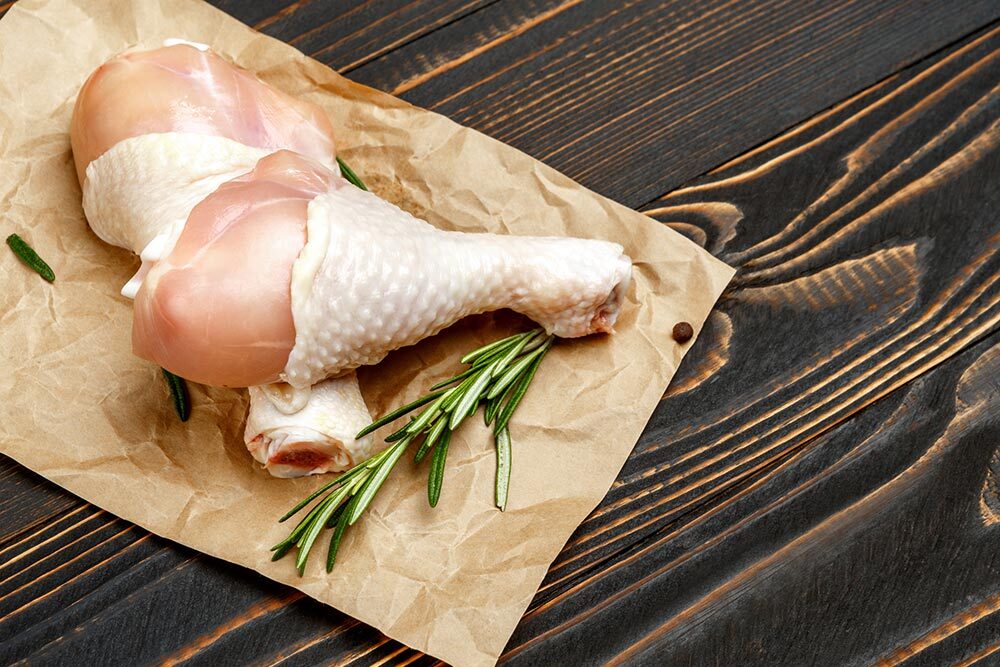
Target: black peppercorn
[[683, 332]]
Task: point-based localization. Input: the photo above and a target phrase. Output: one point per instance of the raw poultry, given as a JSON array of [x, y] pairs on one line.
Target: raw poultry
[[263, 267]]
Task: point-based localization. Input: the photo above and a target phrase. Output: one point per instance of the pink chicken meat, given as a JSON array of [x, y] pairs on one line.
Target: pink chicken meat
[[186, 88]]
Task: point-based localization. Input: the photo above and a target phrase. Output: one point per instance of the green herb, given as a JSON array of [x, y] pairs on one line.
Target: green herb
[[498, 379], [179, 394], [503, 468], [30, 257], [350, 175], [436, 477]]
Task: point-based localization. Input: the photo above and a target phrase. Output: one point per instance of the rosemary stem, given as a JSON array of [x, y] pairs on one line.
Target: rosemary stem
[[498, 376]]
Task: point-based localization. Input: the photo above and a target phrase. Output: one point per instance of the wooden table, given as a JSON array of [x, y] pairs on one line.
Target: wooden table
[[821, 482]]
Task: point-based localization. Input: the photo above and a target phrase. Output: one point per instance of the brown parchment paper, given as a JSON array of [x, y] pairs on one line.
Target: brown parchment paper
[[79, 409]]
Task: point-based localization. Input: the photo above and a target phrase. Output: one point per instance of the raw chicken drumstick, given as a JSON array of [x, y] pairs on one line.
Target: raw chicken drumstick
[[286, 273], [153, 133], [349, 278]]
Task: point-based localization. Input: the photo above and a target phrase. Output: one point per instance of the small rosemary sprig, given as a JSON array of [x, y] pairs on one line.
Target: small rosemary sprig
[[497, 378], [28, 255]]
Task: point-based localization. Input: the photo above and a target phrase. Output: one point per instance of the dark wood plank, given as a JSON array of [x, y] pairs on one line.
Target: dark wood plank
[[630, 98], [852, 276], [852, 292], [869, 543], [633, 98], [867, 241], [345, 35]]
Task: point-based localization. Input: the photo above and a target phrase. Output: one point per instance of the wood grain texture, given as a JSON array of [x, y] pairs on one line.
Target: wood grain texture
[[867, 240], [346, 35], [762, 519], [633, 98]]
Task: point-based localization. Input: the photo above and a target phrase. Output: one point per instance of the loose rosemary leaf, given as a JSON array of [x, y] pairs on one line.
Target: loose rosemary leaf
[[28, 255], [179, 394]]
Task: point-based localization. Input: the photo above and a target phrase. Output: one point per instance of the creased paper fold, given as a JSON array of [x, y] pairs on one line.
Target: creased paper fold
[[79, 409]]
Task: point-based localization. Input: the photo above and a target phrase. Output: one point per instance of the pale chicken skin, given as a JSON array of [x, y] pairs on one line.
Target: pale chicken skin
[[374, 278]]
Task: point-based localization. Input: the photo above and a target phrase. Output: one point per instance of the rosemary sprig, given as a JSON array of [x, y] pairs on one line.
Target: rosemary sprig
[[498, 377], [179, 394], [28, 255]]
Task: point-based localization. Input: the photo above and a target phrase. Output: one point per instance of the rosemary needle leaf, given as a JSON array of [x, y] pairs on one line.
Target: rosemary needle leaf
[[179, 394], [399, 412], [353, 472], [328, 507], [514, 371], [337, 499], [509, 376], [470, 398], [503, 467], [487, 359], [349, 174], [513, 352], [459, 392], [331, 555], [522, 386], [471, 357], [310, 518], [280, 550], [493, 405], [536, 343], [28, 255], [428, 414], [515, 341], [492, 347], [454, 378], [284, 545], [400, 434], [293, 536], [436, 431], [335, 517], [436, 477], [374, 483]]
